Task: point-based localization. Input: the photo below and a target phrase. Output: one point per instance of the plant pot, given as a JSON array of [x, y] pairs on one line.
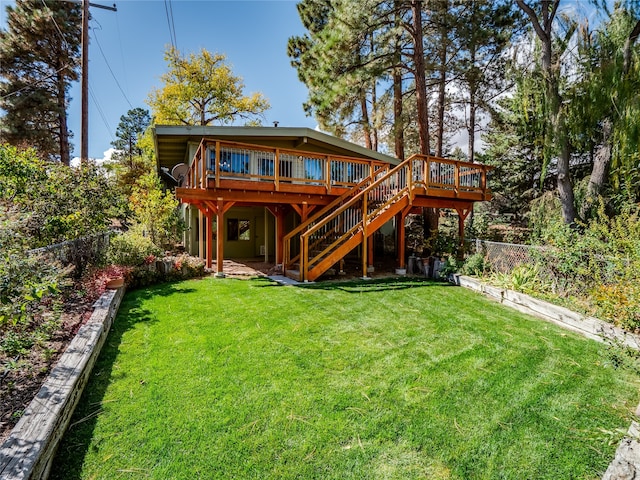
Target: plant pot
[[115, 283]]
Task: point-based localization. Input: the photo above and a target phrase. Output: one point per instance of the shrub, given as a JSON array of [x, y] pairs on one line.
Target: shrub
[[131, 248], [30, 288], [475, 265]]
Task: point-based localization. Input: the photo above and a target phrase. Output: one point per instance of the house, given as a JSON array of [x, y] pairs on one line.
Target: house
[[301, 197]]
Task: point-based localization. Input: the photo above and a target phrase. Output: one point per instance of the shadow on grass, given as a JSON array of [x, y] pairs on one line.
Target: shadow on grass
[[358, 285], [374, 285], [77, 440]]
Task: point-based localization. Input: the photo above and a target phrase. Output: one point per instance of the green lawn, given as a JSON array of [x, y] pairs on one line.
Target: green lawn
[[394, 379]]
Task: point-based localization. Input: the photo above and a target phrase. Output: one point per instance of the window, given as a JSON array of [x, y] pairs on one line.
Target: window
[[238, 229]]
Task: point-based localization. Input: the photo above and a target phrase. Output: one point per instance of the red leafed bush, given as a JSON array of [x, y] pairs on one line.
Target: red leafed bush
[[95, 283]]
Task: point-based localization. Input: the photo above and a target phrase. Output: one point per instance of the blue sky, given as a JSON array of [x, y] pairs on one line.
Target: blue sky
[[252, 34]]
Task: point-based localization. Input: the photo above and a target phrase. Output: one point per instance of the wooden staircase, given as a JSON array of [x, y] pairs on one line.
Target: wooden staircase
[[336, 230]]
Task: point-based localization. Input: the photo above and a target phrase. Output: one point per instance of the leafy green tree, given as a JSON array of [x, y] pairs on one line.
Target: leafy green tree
[[155, 210], [54, 202], [607, 108], [39, 53], [202, 90]]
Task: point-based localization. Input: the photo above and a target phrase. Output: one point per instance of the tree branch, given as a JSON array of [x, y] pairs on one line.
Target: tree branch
[[534, 19], [631, 39]]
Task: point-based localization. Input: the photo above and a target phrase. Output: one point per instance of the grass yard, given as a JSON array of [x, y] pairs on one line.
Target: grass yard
[[395, 379]]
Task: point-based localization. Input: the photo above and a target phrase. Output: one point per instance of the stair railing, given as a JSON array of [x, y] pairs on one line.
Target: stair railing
[[288, 260], [353, 216]]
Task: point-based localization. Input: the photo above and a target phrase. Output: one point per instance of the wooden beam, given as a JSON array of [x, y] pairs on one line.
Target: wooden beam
[[220, 238], [209, 240], [401, 238]]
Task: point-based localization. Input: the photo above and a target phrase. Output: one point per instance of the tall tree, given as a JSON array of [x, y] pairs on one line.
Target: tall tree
[[39, 56], [608, 105], [484, 31], [553, 46], [202, 90]]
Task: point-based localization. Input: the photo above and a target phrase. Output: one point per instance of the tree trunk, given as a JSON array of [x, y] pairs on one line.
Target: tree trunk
[[543, 27], [472, 104], [62, 121], [398, 122], [601, 161], [442, 83], [366, 127], [419, 75]]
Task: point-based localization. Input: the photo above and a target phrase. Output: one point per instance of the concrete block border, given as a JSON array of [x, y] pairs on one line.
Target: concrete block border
[[626, 463], [29, 450]]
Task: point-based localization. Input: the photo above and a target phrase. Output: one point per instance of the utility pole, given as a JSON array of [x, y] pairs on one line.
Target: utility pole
[[84, 82]]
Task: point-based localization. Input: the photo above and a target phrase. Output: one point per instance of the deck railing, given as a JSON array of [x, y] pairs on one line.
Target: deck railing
[[216, 161]]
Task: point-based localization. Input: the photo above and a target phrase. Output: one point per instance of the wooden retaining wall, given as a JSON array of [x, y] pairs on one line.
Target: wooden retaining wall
[[29, 450], [590, 327]]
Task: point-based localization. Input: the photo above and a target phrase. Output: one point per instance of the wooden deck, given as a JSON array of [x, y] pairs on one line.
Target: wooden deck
[[341, 200]]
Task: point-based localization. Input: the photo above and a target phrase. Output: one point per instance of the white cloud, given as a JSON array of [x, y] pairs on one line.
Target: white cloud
[[106, 156]]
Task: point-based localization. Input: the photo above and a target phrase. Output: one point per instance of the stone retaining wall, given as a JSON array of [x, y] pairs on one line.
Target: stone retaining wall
[[29, 450]]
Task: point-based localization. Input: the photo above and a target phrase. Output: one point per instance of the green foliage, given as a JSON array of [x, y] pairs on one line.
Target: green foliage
[[202, 90], [155, 210], [29, 288], [599, 262], [130, 129], [131, 248], [441, 244], [54, 202], [523, 278], [475, 265]]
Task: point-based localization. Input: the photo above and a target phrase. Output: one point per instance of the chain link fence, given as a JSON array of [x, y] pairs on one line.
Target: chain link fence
[[504, 257], [80, 252]]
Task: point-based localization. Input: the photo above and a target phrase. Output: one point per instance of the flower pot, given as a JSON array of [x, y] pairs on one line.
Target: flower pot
[[115, 283]]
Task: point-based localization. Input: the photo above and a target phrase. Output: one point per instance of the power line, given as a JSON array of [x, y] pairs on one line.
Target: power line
[[101, 112], [168, 8], [35, 83], [95, 36]]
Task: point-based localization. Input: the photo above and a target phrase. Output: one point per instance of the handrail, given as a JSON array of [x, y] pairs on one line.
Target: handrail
[[360, 196], [314, 218]]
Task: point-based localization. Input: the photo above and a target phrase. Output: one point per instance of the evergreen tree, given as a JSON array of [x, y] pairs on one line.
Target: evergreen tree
[[130, 129], [39, 53]]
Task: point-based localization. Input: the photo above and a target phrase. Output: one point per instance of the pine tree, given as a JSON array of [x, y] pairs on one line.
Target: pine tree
[[39, 57]]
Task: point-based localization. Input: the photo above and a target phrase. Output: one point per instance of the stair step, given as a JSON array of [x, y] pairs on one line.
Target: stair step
[[293, 274]]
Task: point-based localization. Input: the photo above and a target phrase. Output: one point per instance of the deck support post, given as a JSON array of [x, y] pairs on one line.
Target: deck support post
[[278, 212], [401, 238], [220, 239], [370, 253], [279, 235], [209, 240], [200, 234], [463, 213]]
